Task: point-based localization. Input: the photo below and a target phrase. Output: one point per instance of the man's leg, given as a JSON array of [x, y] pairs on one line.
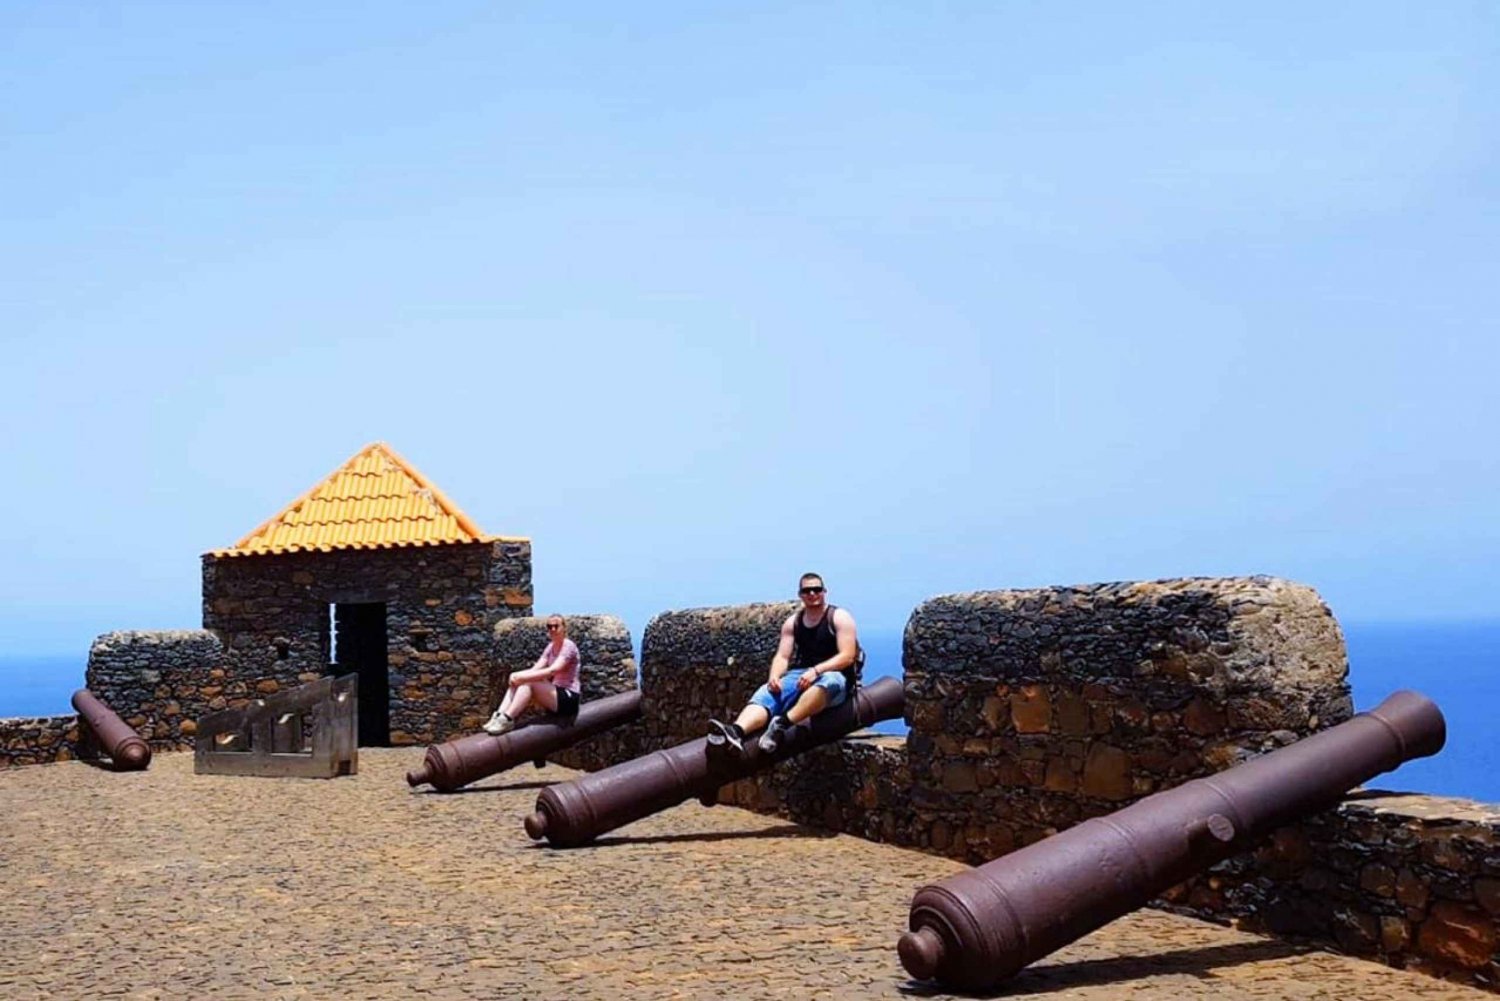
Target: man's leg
[[730, 737], [752, 718], [812, 702]]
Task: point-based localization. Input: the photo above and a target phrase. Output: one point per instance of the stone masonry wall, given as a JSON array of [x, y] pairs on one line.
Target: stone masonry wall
[[160, 683], [705, 662], [607, 668], [1413, 881], [441, 603], [39, 740], [1033, 710]]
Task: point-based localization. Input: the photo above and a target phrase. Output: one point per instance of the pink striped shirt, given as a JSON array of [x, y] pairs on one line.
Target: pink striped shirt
[[566, 661]]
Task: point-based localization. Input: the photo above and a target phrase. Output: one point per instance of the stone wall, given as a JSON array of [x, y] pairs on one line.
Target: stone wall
[[1033, 710], [705, 662], [441, 603], [1411, 880], [607, 668], [161, 682], [40, 740]]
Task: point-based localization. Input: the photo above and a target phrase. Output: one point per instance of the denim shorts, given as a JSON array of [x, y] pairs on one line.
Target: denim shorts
[[833, 682]]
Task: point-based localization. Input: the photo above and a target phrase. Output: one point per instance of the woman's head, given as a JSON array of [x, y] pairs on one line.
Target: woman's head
[[557, 627]]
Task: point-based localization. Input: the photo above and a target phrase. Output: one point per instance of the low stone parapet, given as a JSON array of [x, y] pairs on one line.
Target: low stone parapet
[[1411, 880], [160, 682], [1032, 710], [39, 740]]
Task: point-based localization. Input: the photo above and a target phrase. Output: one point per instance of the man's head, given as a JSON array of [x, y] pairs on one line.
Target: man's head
[[810, 589]]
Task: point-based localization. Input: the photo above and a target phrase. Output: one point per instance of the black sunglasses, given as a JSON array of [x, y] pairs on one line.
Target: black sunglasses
[[811, 590], [553, 625]]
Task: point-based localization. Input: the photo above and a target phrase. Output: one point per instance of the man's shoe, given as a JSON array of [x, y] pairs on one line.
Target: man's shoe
[[498, 724], [724, 738], [775, 730]]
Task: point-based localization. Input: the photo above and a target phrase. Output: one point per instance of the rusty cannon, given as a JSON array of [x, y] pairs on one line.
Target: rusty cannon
[[123, 745], [574, 813], [468, 759], [981, 926]]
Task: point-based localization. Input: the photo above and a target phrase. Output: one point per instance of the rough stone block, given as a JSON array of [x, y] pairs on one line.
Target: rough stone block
[[1460, 934]]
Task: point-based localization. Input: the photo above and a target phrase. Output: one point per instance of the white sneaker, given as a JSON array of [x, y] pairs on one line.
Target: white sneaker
[[771, 739], [498, 724]]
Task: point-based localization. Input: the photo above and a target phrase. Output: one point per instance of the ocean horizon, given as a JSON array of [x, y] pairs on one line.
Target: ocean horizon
[[1453, 663]]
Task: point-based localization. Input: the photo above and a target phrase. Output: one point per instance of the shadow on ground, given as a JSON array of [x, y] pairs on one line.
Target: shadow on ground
[[1200, 962], [780, 831]]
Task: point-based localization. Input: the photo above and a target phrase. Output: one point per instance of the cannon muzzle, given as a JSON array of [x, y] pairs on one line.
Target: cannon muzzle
[[123, 745], [575, 813], [979, 927], [468, 759]]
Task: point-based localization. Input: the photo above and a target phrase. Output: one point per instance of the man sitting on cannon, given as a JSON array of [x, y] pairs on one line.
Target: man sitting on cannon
[[819, 643]]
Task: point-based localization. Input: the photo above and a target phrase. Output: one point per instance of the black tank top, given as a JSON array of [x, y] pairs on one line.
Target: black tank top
[[814, 644]]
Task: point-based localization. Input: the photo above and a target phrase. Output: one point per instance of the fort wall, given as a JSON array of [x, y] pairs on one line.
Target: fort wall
[[38, 740], [1029, 711], [1032, 710]]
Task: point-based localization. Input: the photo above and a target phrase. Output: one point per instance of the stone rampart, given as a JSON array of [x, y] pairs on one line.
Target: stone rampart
[[1413, 881], [161, 682], [607, 668], [1032, 710], [40, 740]]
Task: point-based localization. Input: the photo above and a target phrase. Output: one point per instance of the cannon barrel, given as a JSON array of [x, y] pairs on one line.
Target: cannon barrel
[[123, 745], [574, 813], [468, 759], [981, 926]]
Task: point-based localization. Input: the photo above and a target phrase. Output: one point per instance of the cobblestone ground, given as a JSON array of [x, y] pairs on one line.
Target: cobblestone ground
[[164, 884]]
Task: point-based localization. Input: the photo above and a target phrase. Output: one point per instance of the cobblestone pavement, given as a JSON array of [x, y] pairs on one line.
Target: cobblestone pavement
[[164, 884]]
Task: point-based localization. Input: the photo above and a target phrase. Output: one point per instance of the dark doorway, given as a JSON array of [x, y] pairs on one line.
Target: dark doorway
[[359, 647]]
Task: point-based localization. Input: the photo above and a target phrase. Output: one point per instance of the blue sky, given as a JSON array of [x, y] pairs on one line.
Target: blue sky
[[927, 297]]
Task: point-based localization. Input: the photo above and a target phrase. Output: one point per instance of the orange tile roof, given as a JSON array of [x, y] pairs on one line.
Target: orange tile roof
[[376, 500]]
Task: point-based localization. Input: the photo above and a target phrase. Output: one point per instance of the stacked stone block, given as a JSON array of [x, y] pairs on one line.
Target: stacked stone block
[[1411, 880], [40, 740], [705, 662], [162, 682], [1032, 710], [607, 668]]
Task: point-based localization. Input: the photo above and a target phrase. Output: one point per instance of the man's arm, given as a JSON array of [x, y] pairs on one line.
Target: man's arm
[[783, 658], [848, 639]]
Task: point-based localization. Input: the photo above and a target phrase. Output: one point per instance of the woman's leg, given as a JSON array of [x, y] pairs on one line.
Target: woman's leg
[[543, 692]]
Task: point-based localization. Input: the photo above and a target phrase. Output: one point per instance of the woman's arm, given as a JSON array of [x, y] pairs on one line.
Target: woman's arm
[[539, 671]]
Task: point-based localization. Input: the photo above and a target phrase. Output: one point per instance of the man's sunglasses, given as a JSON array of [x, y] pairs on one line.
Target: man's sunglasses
[[811, 590]]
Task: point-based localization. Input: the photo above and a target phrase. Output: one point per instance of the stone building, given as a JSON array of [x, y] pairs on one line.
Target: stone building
[[373, 571]]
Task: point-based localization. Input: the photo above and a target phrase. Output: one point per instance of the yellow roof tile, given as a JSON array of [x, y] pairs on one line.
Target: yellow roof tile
[[376, 500]]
